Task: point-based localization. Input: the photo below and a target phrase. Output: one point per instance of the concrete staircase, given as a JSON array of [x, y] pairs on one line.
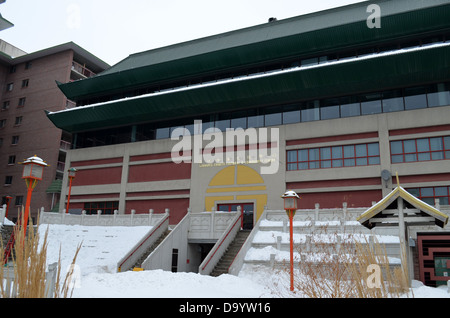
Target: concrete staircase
[[226, 260], [144, 256], [314, 234]]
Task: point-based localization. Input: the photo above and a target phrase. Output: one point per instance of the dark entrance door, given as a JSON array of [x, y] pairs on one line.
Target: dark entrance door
[[246, 208]]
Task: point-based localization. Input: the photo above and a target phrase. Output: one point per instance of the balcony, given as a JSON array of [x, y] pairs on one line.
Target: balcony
[[60, 166], [65, 145], [80, 72]]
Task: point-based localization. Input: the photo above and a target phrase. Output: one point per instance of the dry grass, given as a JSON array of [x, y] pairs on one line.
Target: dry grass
[[29, 263], [342, 269]]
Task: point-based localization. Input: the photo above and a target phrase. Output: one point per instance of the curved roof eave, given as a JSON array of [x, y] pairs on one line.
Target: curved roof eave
[[272, 41], [381, 73]]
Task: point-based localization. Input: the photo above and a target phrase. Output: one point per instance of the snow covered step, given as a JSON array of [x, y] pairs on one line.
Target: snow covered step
[[272, 257], [310, 227], [271, 244]]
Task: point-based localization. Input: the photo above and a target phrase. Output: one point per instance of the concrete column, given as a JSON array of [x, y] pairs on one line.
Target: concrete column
[[65, 182], [385, 158], [124, 181], [404, 248]]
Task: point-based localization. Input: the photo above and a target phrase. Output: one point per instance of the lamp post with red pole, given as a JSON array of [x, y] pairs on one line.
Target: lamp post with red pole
[[33, 169], [8, 201], [290, 205], [72, 173]]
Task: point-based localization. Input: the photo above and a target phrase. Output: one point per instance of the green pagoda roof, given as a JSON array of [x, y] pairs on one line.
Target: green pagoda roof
[[366, 74], [342, 28]]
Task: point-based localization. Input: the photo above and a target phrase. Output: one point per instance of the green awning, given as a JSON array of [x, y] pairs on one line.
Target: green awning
[[416, 67], [319, 33], [55, 187]]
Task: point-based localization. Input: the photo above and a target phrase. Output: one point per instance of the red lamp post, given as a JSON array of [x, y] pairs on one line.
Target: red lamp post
[[33, 170], [72, 173], [8, 201], [290, 205]]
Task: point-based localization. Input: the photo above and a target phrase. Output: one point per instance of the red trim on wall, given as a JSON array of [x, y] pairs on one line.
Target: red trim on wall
[[112, 175], [76, 205], [88, 197], [333, 183], [425, 178], [96, 162], [331, 200], [246, 147], [178, 207], [159, 172], [154, 156], [421, 130], [331, 138], [157, 193]]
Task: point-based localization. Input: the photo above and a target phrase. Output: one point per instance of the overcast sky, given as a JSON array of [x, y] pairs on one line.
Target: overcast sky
[[114, 29]]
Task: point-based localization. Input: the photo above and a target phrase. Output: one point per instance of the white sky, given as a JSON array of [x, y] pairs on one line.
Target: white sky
[[114, 29]]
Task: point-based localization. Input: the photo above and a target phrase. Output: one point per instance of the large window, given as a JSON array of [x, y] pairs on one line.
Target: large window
[[105, 207], [423, 149], [429, 194], [333, 157]]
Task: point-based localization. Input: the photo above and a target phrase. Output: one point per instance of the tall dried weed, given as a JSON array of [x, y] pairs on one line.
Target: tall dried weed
[[29, 263]]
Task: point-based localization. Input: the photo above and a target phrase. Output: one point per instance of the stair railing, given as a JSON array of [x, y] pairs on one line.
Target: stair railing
[[159, 227], [216, 253]]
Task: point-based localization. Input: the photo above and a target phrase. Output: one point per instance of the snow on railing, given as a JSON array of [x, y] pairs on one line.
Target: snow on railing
[[209, 225], [99, 219]]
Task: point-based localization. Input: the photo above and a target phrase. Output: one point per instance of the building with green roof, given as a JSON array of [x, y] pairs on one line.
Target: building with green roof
[[340, 100]]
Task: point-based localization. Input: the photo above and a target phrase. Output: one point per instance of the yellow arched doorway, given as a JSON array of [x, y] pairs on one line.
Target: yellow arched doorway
[[237, 184]]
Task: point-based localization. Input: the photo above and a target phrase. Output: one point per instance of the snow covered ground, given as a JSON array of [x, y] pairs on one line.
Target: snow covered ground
[[103, 247]]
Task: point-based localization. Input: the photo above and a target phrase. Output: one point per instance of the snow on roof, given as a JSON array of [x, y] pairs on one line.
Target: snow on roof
[[265, 74]]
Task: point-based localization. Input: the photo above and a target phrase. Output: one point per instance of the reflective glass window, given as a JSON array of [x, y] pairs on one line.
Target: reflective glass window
[[371, 104], [415, 98]]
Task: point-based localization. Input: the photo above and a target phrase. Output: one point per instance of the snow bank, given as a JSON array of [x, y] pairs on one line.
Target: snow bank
[[162, 284], [101, 247]]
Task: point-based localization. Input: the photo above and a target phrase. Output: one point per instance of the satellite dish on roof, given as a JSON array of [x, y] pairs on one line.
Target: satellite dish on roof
[[386, 175]]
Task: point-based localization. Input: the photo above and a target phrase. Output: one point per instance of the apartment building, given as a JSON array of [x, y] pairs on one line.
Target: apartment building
[[29, 86]]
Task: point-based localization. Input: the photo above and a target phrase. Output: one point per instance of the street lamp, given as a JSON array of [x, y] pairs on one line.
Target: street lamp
[[33, 169], [8, 201], [72, 173], [290, 205]]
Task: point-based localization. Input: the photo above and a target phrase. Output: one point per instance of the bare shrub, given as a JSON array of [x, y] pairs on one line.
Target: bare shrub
[[29, 264], [337, 266]]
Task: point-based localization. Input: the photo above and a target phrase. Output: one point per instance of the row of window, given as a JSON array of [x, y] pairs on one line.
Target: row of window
[[422, 149], [341, 107], [17, 202], [14, 141], [10, 86], [430, 194], [412, 150], [6, 104], [17, 122], [348, 106], [13, 68], [334, 157]]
